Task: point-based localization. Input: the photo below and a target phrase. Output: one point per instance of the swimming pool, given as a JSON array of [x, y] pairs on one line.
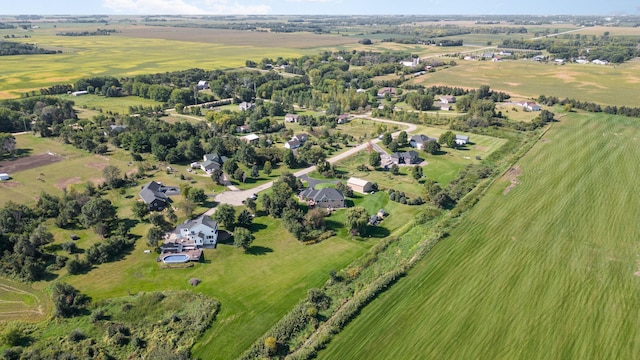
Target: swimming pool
[[175, 258]]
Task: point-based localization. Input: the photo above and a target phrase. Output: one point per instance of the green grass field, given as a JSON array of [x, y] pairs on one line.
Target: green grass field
[[20, 301], [119, 105], [611, 85], [547, 270]]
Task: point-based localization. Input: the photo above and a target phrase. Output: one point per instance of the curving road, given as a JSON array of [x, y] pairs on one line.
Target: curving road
[[235, 198]]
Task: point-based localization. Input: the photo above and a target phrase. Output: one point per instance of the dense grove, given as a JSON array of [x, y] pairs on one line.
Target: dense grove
[[16, 48]]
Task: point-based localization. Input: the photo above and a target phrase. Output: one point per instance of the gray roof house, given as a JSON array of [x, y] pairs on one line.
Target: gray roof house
[[324, 198], [409, 157], [302, 137], [154, 195], [417, 141], [291, 118], [212, 162]]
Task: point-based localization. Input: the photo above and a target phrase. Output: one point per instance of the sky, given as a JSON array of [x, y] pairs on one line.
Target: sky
[[319, 7]]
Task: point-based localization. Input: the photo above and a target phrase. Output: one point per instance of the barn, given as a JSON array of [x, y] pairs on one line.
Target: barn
[[360, 185]]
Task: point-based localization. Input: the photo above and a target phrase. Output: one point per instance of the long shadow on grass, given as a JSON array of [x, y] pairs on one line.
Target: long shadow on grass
[[259, 250], [377, 232], [257, 227]]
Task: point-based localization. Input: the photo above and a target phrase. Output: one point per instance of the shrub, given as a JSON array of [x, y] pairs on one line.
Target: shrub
[[76, 335]]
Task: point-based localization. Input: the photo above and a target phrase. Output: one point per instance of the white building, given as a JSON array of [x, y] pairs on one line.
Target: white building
[[203, 231]]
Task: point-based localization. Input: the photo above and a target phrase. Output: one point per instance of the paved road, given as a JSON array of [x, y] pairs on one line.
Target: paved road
[[235, 198]]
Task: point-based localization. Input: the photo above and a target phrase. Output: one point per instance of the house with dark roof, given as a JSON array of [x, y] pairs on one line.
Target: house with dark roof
[[155, 195], [201, 231], [302, 137], [343, 119], [324, 198], [417, 141], [409, 157]]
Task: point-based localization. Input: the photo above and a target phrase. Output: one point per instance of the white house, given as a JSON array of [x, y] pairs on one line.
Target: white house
[[202, 85], [251, 138], [292, 144], [418, 141], [530, 106], [462, 140], [291, 118], [448, 99], [78, 93], [203, 231]]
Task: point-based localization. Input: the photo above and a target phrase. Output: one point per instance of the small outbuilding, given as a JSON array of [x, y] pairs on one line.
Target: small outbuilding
[[360, 185], [4, 177]]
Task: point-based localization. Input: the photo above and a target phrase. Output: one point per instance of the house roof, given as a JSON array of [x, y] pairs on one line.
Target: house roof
[[149, 196], [209, 165], [302, 137], [462, 137], [202, 219], [293, 144], [322, 194], [293, 116], [251, 137], [357, 181], [215, 158], [420, 138], [202, 82]]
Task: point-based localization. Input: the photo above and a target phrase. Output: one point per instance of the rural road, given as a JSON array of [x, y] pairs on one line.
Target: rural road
[[235, 198]]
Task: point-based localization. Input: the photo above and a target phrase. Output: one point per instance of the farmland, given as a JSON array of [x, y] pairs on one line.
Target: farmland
[[613, 85], [142, 51], [551, 270]]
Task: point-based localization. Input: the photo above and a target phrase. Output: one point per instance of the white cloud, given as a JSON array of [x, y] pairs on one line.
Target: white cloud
[[182, 7], [314, 1]]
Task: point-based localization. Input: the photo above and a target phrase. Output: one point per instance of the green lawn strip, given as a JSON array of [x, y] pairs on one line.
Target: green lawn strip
[[109, 104], [550, 271]]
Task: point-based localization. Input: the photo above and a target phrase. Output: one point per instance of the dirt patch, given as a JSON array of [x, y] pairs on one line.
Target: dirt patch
[[512, 176], [545, 141], [29, 162], [64, 183], [96, 165], [10, 184], [132, 172], [482, 148]]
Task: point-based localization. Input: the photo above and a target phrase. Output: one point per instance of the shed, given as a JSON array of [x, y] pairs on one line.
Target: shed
[[360, 185], [4, 176]]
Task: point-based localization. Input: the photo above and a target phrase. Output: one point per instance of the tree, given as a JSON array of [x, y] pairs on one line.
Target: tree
[[448, 138], [154, 235], [254, 171], [156, 219], [314, 219], [417, 172], [402, 138], [395, 169], [242, 238], [357, 220], [374, 159], [289, 159], [197, 195], [7, 143], [267, 168], [419, 101], [365, 42], [67, 301], [386, 138], [187, 207], [112, 176], [245, 218], [393, 146], [226, 215], [230, 166], [432, 147], [238, 175], [140, 210], [95, 211], [251, 205]]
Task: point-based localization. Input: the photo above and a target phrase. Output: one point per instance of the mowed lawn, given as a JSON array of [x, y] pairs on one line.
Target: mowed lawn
[[20, 301], [615, 85], [546, 271]]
